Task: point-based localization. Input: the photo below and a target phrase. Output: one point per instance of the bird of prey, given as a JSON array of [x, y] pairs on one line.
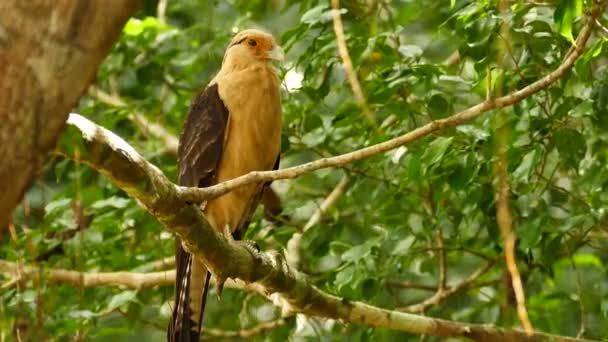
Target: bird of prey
[[233, 127]]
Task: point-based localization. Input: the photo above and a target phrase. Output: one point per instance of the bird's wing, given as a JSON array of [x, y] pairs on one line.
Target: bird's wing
[[199, 153], [202, 140]]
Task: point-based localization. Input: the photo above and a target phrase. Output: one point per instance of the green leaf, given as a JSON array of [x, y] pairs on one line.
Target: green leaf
[[438, 105], [361, 251], [583, 65], [530, 233], [588, 260], [526, 167], [436, 150], [571, 145], [564, 16], [313, 15], [111, 202], [62, 204], [121, 299]]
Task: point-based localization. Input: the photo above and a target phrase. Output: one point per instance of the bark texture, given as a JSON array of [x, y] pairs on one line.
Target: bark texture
[[49, 52]]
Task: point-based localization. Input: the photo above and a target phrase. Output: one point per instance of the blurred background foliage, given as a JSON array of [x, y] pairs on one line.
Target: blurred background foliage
[[380, 242]]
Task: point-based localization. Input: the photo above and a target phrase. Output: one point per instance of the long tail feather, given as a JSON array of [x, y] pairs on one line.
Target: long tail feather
[[191, 287]]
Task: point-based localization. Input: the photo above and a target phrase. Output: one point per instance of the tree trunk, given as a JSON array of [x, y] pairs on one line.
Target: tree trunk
[[49, 52]]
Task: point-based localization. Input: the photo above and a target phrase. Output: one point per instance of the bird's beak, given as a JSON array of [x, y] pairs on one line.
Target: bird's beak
[[276, 54]]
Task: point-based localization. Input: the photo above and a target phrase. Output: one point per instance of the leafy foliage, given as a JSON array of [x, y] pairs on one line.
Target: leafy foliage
[[384, 229]]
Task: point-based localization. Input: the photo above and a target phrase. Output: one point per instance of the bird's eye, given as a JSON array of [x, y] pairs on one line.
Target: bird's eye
[[252, 42]]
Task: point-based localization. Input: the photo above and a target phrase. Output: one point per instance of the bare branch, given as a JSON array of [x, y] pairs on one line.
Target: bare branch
[[416, 286], [169, 140], [347, 63], [202, 194], [293, 245], [21, 273], [161, 10], [443, 265], [503, 211], [442, 294], [452, 59]]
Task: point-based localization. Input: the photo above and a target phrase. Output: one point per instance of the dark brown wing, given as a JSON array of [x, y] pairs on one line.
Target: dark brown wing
[[198, 155], [202, 139]]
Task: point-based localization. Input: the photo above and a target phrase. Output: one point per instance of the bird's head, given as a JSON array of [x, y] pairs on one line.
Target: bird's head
[[255, 44]]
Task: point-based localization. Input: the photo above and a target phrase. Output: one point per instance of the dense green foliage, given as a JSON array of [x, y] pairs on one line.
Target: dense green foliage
[[385, 226]]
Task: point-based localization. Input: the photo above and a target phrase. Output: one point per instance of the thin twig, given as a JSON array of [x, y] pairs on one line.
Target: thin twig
[[503, 211], [202, 194], [292, 254], [450, 290], [169, 140], [327, 203], [443, 265], [433, 288], [156, 265], [347, 62], [161, 11], [452, 59], [503, 216], [601, 26]]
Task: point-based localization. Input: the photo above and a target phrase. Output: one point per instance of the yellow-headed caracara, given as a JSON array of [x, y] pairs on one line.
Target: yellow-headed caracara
[[233, 127]]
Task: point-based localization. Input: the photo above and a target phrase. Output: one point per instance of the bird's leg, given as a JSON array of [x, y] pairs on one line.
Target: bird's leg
[[219, 282], [250, 245], [228, 233]]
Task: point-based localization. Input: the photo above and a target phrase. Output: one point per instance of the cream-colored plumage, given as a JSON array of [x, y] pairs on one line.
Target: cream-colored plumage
[[249, 88]]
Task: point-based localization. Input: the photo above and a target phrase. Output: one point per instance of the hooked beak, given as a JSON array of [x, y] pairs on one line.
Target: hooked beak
[[276, 54]]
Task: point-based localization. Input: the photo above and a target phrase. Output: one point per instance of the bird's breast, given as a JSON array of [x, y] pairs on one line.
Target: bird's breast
[[253, 137]]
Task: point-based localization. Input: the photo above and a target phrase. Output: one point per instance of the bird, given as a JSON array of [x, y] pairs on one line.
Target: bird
[[233, 127]]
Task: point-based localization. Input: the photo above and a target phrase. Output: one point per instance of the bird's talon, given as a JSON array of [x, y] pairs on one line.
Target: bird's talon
[[228, 233], [250, 245], [219, 283]]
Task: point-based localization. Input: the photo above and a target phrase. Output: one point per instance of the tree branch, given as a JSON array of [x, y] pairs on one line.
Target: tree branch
[[18, 273], [347, 62], [109, 154], [135, 280], [202, 194], [503, 211], [293, 245], [443, 293]]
